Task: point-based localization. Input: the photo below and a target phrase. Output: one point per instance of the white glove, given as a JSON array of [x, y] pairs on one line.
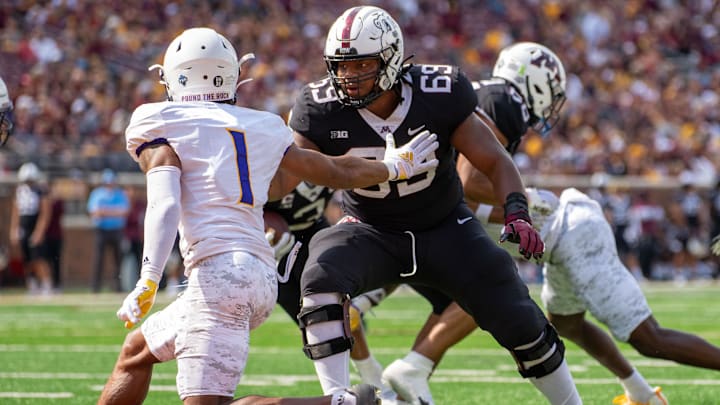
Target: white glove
[[283, 246], [408, 160], [138, 303]]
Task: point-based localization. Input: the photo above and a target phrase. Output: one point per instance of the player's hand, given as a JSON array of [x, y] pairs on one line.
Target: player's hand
[[283, 245], [409, 159], [522, 232], [138, 303], [715, 245]]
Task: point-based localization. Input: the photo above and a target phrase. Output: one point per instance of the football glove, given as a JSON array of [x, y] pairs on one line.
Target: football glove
[[408, 160], [138, 303], [518, 227], [283, 246], [715, 245]]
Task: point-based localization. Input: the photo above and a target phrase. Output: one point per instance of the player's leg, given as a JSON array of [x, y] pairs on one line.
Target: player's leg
[[227, 296], [593, 340], [587, 274], [651, 340], [130, 378], [365, 363], [467, 265], [347, 258]]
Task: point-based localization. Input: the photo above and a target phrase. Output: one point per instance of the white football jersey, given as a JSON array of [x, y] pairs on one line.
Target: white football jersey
[[229, 155]]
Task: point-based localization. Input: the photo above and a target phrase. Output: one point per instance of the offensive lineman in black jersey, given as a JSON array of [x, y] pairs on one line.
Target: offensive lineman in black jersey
[[416, 231], [502, 105]]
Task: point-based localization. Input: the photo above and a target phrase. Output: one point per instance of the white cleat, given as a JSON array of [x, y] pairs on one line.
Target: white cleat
[[410, 383]]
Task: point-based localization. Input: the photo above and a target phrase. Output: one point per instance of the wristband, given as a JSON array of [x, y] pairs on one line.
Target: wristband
[[516, 207], [483, 213]]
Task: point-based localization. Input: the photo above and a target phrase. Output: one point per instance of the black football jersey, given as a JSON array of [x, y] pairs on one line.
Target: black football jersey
[[303, 208], [434, 97], [502, 102]]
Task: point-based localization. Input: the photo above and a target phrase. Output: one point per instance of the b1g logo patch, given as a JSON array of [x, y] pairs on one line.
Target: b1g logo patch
[[182, 79], [217, 81]]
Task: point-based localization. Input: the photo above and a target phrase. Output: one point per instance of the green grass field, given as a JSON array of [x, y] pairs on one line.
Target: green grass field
[[60, 350]]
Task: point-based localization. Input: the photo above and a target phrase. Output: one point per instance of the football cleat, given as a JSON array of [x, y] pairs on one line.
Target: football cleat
[[657, 399], [410, 383], [365, 394]]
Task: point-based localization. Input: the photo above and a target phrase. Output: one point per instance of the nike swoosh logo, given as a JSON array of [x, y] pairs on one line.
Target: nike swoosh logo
[[463, 220], [412, 132]]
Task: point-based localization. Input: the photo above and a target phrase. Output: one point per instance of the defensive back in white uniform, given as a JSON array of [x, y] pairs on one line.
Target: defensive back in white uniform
[[229, 155]]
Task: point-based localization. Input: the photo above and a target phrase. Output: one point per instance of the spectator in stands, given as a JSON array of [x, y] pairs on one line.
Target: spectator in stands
[[108, 206]]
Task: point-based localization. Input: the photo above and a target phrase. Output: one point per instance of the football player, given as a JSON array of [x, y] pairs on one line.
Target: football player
[[576, 279], [6, 107], [524, 71], [406, 231], [209, 165]]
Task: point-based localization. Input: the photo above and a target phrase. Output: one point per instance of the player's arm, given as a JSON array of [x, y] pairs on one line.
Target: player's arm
[[476, 141], [303, 161], [162, 171]]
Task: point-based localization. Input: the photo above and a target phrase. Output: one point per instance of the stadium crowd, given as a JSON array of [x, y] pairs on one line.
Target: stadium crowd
[[643, 87]]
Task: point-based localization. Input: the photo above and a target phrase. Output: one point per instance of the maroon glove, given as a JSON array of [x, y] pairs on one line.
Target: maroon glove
[[518, 227]]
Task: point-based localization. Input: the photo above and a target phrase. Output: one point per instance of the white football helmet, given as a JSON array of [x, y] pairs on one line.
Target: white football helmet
[[541, 205], [361, 33], [6, 106], [539, 75], [200, 65], [28, 172]]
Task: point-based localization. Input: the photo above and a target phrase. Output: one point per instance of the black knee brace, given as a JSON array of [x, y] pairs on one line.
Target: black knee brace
[[540, 350], [326, 313]]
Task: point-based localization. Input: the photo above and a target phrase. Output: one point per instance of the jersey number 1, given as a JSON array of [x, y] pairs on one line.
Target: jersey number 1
[[241, 159]]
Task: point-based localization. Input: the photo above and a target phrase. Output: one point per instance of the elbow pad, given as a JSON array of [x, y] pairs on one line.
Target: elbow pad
[[162, 217]]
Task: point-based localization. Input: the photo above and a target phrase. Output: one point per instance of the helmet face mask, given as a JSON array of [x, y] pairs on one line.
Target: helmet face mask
[[6, 107], [539, 75], [200, 65], [364, 32]]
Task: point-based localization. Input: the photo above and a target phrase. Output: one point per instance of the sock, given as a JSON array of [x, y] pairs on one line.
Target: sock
[[636, 387], [558, 387], [370, 371], [362, 303], [332, 371], [419, 361]]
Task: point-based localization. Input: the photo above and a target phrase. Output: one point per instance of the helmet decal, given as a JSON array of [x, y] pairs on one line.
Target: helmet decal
[[347, 30]]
